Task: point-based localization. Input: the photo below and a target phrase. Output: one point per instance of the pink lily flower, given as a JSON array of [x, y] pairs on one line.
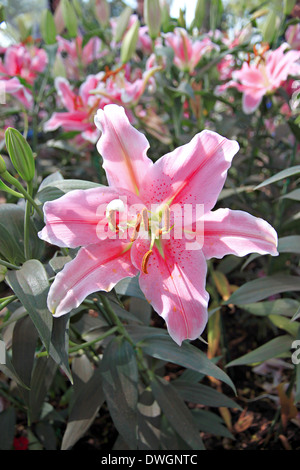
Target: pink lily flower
[[187, 52], [292, 36], [172, 273], [81, 108], [74, 55], [264, 77], [25, 63]]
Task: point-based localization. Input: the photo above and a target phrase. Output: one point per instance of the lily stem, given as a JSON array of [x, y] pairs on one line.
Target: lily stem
[[8, 265], [26, 223], [10, 179]]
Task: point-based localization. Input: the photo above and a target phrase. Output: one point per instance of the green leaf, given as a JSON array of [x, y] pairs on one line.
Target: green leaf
[[289, 244], [8, 369], [186, 355], [48, 28], [285, 324], [12, 235], [24, 343], [294, 195], [42, 377], [294, 170], [285, 307], [269, 350], [209, 422], [130, 287], [7, 428], [59, 345], [30, 284], [88, 400], [55, 189], [120, 379], [202, 394], [69, 17], [176, 412], [262, 288]]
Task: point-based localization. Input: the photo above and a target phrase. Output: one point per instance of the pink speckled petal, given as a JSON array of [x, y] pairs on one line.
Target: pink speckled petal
[[79, 217], [191, 174], [175, 286], [236, 232], [123, 149], [96, 267]]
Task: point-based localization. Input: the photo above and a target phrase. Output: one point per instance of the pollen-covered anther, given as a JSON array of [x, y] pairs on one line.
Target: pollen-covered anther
[[145, 261], [136, 228], [166, 218]]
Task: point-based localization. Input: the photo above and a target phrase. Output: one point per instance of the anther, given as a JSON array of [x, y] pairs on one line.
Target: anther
[[145, 219], [167, 218], [145, 261], [136, 228]]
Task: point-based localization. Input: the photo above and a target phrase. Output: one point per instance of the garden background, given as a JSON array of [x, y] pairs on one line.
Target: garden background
[[107, 375]]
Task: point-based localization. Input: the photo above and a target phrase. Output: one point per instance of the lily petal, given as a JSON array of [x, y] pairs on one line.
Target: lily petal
[[237, 232], [79, 217], [175, 286], [96, 267], [123, 149], [192, 174]]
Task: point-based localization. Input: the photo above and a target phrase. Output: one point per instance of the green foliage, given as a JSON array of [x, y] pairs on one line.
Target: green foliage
[[111, 357]]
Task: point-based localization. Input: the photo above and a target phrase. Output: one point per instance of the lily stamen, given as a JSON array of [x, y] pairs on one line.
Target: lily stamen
[[145, 261]]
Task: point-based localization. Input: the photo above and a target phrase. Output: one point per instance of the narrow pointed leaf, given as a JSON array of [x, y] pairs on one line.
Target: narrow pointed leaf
[[272, 348], [176, 412], [30, 284]]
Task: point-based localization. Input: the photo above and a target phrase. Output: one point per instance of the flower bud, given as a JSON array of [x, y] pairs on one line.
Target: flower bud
[[129, 42], [122, 24], [102, 11], [152, 16], [20, 154], [2, 165]]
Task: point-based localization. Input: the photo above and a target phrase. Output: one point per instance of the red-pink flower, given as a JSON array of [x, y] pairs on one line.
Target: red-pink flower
[[187, 51], [263, 77], [292, 36], [155, 239], [81, 108], [75, 56], [25, 63]]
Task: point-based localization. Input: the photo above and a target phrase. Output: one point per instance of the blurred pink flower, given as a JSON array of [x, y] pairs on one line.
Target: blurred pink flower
[[187, 51], [264, 77], [74, 55], [81, 108], [171, 274], [292, 36], [26, 63]]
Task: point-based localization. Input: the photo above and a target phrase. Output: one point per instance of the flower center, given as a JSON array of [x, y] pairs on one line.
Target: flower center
[[153, 226]]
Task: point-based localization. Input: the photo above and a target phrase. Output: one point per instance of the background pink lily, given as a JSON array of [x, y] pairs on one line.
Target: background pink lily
[[76, 57], [22, 62], [187, 52], [171, 276], [81, 107], [256, 80]]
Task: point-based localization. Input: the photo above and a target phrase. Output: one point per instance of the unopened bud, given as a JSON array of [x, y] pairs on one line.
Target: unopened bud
[[129, 43], [20, 154], [2, 165], [152, 16]]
